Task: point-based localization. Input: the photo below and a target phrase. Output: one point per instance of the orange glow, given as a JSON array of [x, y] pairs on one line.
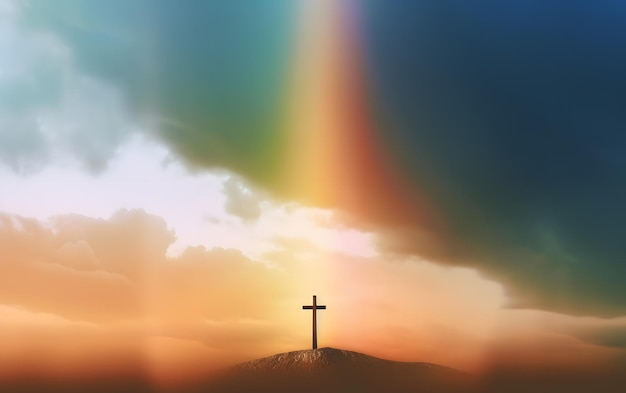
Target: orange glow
[[206, 309]]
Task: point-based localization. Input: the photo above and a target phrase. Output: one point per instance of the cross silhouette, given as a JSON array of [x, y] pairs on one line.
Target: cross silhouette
[[314, 307]]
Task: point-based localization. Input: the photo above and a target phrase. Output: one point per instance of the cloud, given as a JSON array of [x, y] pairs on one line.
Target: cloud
[[506, 117], [77, 255], [49, 109], [213, 99], [116, 269], [502, 120], [601, 332], [129, 243], [241, 201], [119, 267], [39, 275], [217, 284], [107, 286], [295, 245]]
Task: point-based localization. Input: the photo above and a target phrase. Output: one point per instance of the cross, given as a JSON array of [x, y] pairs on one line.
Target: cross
[[314, 307]]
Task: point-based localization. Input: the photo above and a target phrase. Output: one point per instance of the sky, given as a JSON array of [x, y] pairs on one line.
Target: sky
[[178, 178]]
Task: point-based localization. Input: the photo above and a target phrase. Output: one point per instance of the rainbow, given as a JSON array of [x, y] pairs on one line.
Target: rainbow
[[335, 155]]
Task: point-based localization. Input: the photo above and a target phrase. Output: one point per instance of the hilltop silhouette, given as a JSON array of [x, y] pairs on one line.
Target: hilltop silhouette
[[332, 370]]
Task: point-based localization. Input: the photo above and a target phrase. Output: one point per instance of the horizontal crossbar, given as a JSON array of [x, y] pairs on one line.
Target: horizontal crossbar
[[311, 307]]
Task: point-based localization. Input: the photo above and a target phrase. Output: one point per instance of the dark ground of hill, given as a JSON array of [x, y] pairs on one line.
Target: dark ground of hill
[[335, 370]]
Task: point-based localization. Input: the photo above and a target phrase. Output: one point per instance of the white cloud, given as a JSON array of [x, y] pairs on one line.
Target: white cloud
[[7, 8], [143, 174], [49, 109]]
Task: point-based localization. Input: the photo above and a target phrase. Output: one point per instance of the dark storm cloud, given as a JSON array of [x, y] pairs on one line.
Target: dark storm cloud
[[511, 117]]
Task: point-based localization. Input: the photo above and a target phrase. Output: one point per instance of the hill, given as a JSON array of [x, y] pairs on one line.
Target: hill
[[333, 370]]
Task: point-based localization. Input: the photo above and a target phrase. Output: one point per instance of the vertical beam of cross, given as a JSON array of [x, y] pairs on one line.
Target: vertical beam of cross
[[314, 307]]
